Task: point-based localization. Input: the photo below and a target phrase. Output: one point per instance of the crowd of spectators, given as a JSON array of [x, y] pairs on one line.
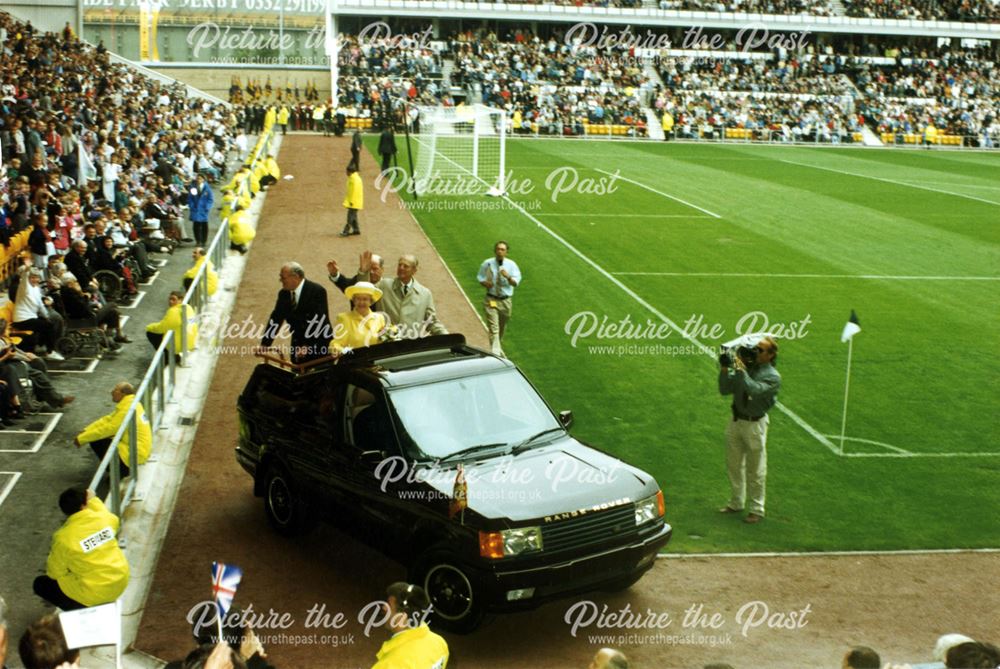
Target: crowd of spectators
[[548, 85], [813, 75], [98, 161], [925, 10], [809, 7], [956, 92]]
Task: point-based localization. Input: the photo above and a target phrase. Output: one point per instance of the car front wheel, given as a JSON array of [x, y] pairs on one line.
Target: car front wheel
[[454, 593]]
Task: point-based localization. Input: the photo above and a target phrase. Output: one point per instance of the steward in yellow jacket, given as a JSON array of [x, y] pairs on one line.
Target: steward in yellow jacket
[[416, 648], [240, 232], [411, 646], [100, 433], [172, 321], [354, 201], [239, 187], [211, 277], [85, 566], [283, 115]]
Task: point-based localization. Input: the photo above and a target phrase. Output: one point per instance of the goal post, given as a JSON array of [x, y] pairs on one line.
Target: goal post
[[459, 150]]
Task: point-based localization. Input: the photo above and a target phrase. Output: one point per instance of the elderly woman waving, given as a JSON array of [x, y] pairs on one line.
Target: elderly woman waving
[[360, 326]]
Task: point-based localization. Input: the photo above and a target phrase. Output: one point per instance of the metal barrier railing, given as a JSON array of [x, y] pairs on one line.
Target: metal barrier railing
[[159, 382]]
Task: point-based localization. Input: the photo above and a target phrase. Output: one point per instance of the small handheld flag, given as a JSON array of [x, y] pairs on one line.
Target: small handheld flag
[[459, 494], [225, 580], [851, 328]]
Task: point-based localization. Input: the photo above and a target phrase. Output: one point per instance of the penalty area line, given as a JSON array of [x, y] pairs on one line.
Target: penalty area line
[[659, 192], [707, 350], [891, 181]]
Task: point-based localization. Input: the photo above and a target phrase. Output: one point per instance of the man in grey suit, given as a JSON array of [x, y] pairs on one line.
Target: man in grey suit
[[408, 303]]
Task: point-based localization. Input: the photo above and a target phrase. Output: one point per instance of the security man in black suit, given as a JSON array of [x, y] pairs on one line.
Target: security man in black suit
[[302, 304]]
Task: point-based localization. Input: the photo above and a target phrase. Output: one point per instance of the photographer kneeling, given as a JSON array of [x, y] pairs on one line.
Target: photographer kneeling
[[753, 382]]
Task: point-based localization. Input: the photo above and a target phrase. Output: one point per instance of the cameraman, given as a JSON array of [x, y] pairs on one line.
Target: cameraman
[[753, 382]]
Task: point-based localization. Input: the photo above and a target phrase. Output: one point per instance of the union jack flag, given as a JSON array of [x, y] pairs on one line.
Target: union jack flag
[[225, 580]]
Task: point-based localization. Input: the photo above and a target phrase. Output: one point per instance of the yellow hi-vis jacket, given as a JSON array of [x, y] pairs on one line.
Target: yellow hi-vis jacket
[[106, 427], [85, 558], [211, 277], [240, 232], [416, 648], [355, 198], [271, 167], [172, 321], [283, 115]]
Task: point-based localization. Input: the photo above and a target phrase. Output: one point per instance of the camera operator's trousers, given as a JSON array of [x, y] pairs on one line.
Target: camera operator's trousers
[[746, 460]]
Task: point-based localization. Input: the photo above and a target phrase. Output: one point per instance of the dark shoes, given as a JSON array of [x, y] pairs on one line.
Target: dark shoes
[[122, 339]]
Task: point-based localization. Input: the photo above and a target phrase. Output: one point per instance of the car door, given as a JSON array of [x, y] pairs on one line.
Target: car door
[[370, 453], [316, 428]]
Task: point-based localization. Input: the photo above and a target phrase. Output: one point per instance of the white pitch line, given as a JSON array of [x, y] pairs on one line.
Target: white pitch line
[[902, 451], [635, 296], [10, 485], [891, 181], [868, 277], [824, 554], [920, 455], [578, 215], [659, 192]]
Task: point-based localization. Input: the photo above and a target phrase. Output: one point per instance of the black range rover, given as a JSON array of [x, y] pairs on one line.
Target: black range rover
[[379, 438]]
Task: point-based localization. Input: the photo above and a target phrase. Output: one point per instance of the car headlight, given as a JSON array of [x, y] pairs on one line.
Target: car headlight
[[510, 542], [649, 509]]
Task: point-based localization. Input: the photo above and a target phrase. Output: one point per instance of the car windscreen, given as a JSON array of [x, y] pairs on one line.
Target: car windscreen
[[446, 417]]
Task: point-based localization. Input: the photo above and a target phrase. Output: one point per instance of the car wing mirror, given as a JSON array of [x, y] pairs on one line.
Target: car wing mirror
[[566, 418]]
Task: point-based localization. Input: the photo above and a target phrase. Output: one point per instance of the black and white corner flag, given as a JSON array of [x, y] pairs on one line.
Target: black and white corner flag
[[851, 328]]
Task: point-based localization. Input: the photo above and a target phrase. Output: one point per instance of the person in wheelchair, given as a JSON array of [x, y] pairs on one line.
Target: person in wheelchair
[[120, 230], [79, 266], [80, 307], [112, 259]]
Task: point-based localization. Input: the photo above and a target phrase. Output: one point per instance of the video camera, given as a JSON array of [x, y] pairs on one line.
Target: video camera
[[744, 347]]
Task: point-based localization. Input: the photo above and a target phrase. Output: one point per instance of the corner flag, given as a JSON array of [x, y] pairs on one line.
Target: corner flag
[[851, 328]]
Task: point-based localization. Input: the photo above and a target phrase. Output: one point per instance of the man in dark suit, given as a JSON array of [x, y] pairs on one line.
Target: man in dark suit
[[302, 304], [387, 147]]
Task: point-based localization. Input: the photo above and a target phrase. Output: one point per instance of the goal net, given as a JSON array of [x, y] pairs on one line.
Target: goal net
[[459, 150]]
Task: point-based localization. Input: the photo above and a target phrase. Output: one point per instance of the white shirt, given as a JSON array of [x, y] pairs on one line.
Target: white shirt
[[28, 304]]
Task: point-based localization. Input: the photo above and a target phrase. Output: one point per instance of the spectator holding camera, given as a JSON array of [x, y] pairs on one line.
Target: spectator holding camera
[[753, 382]]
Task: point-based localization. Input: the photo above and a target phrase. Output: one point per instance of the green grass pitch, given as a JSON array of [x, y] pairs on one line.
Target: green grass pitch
[[705, 236]]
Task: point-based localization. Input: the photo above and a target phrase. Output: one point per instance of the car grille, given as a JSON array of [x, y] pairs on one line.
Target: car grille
[[589, 529]]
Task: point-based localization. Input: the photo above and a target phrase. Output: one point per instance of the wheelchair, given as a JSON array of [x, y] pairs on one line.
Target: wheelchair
[[83, 335], [109, 283]]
